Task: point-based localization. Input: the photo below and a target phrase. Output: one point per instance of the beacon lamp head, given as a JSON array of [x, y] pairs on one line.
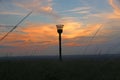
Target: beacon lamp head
[[59, 28]]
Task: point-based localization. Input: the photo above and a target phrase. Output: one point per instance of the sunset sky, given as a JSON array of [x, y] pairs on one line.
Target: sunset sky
[[90, 27]]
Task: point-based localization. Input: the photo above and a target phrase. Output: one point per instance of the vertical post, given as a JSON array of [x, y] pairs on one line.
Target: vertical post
[[60, 48], [60, 30]]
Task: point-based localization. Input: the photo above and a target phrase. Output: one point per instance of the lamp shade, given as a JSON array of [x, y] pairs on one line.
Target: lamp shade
[[59, 26]]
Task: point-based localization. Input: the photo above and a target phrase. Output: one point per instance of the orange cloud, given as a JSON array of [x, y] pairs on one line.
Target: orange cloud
[[84, 35], [32, 34], [40, 32], [116, 8], [46, 34], [74, 29]]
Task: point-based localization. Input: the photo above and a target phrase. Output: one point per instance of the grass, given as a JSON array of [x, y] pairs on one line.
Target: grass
[[82, 69]]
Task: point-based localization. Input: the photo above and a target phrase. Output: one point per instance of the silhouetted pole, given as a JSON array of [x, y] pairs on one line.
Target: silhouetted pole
[[60, 30], [60, 48]]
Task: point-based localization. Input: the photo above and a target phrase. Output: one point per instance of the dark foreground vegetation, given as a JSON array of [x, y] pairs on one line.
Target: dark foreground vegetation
[[79, 69]]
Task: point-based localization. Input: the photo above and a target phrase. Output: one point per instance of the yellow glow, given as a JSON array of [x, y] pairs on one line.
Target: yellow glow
[[47, 33]]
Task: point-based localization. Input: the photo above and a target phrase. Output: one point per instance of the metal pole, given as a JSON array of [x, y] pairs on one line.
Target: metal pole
[[60, 48], [60, 30]]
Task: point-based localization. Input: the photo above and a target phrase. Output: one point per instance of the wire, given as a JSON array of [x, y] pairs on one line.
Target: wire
[[15, 27], [92, 38]]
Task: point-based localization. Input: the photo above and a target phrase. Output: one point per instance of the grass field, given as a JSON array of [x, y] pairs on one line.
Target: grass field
[[83, 69]]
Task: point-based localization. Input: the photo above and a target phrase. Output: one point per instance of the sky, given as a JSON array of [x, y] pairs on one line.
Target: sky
[[90, 27]]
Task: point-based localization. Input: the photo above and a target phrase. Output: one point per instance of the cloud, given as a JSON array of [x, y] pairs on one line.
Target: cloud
[[8, 7], [44, 34], [103, 17], [76, 30], [81, 10], [38, 6], [4, 28], [21, 7], [116, 8], [115, 5], [11, 13], [40, 32]]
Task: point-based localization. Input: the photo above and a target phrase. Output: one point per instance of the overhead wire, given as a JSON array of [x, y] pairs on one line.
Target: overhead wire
[[86, 48], [15, 26]]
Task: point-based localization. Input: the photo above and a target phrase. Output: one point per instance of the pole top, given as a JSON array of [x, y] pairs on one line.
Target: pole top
[[59, 26]]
